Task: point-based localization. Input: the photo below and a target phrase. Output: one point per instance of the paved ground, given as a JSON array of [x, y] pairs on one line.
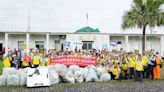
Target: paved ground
[[124, 86]]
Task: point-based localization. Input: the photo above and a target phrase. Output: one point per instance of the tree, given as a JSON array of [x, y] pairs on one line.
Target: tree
[[143, 14]]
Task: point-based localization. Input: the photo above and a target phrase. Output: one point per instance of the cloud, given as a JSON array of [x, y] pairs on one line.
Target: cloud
[[62, 15]]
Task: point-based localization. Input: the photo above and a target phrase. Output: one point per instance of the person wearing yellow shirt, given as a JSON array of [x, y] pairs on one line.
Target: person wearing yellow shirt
[[139, 67], [124, 68], [132, 60], [25, 62], [145, 60], [116, 72], [36, 60], [49, 60], [6, 61]]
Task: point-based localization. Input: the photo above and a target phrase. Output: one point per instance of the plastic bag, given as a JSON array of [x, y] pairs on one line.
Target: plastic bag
[[9, 71], [74, 68], [100, 71], [79, 75], [54, 77], [3, 80], [92, 76], [61, 69], [23, 79], [69, 77], [85, 72], [105, 77], [13, 80]]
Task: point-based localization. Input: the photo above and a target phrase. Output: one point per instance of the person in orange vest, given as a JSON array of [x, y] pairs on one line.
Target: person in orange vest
[[156, 69]]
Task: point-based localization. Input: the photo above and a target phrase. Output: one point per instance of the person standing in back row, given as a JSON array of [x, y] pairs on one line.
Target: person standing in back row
[[139, 67], [151, 64]]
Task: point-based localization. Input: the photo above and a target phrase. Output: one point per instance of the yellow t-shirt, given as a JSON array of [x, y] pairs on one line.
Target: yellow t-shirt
[[24, 63], [145, 60], [139, 66], [6, 62], [124, 67], [115, 71], [36, 60], [132, 62]]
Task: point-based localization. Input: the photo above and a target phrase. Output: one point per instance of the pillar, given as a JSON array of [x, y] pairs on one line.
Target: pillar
[[27, 42], [47, 42], [6, 43], [161, 45], [126, 43]]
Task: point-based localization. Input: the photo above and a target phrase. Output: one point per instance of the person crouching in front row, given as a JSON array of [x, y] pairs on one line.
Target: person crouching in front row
[[116, 72], [139, 68]]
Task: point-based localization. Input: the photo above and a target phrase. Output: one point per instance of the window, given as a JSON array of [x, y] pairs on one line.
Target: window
[[57, 45], [39, 44], [21, 45], [87, 45]]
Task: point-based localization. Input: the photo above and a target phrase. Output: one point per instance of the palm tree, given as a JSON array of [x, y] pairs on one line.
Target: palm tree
[[144, 13]]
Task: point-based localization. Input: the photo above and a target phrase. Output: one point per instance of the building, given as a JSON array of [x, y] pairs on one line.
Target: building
[[84, 38]]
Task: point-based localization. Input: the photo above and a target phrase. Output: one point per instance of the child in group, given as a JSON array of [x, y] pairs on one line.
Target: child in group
[[139, 67]]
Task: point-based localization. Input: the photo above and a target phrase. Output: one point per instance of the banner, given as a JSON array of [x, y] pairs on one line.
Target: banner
[[38, 77], [81, 61]]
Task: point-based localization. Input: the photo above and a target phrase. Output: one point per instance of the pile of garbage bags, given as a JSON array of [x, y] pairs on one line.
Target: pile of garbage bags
[[58, 73]]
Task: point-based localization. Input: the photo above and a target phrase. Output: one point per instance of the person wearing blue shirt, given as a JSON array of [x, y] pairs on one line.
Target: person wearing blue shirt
[[151, 64]]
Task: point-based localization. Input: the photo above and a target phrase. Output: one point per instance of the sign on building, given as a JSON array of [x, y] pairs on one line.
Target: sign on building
[[37, 77]]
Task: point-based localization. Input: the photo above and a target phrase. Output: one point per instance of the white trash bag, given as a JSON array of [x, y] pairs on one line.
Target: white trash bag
[[54, 77], [9, 71], [100, 71], [74, 68], [92, 76], [85, 71], [69, 77], [13, 80], [61, 69], [105, 77], [23, 79], [79, 75], [3, 80]]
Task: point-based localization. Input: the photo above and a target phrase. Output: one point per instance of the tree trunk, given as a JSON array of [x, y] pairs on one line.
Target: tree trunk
[[143, 38]]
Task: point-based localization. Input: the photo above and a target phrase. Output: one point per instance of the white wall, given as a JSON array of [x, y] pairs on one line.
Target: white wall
[[13, 40], [97, 38]]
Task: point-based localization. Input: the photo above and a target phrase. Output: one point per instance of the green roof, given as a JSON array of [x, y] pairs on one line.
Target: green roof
[[88, 29]]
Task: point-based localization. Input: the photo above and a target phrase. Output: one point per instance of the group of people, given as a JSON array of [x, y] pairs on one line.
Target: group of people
[[120, 64]]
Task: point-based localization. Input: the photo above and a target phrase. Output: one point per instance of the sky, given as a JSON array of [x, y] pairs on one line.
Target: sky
[[62, 15]]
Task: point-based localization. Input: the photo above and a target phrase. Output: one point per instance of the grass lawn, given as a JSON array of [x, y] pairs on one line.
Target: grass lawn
[[1, 66]]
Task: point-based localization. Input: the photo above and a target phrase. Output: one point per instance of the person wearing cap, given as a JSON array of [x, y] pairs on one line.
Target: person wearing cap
[[151, 64], [36, 59], [139, 68], [156, 69], [15, 61]]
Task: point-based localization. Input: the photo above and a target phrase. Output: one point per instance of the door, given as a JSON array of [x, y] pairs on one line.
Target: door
[[87, 45], [1, 47]]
